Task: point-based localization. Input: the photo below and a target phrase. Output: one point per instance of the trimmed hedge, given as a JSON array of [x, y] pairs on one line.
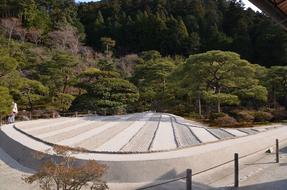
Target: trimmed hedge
[[261, 116], [243, 116]]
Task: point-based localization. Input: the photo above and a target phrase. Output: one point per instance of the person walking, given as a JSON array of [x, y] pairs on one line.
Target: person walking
[[11, 118]]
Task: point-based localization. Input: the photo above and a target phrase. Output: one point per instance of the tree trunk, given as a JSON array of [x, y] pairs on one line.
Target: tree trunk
[[207, 108], [218, 107], [10, 36], [199, 105], [30, 101], [107, 49], [218, 103], [65, 84], [273, 97], [164, 83]]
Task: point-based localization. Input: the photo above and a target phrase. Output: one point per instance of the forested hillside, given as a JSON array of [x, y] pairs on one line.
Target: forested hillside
[[207, 59], [184, 27]]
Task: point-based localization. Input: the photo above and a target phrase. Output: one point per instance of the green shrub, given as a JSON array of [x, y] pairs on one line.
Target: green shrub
[[279, 115], [180, 109], [5, 102], [214, 116], [85, 102], [37, 114], [194, 115], [243, 116], [225, 121], [261, 116]]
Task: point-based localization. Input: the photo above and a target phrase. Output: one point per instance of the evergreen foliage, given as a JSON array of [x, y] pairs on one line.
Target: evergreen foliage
[[185, 27], [106, 92], [178, 56], [5, 102]]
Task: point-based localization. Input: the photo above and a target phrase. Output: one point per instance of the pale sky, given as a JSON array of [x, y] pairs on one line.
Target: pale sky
[[246, 2]]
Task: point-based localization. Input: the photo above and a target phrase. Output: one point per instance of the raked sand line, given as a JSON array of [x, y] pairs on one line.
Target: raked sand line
[[70, 125], [260, 129], [96, 141], [54, 128], [120, 140], [83, 136], [66, 129], [195, 123], [184, 135], [220, 133], [236, 132], [164, 139], [203, 135], [36, 123], [51, 124], [142, 140], [248, 131], [76, 131]]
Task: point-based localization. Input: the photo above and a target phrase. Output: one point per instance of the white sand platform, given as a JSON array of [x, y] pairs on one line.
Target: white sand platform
[[160, 145], [140, 132]]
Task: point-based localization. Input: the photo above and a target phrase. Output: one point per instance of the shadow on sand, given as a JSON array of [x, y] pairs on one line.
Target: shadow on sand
[[4, 157]]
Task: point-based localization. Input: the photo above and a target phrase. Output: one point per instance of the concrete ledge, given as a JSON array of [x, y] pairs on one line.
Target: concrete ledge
[[133, 168]]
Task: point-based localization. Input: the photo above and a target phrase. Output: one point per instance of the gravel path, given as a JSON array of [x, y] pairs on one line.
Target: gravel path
[[164, 139], [11, 173]]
